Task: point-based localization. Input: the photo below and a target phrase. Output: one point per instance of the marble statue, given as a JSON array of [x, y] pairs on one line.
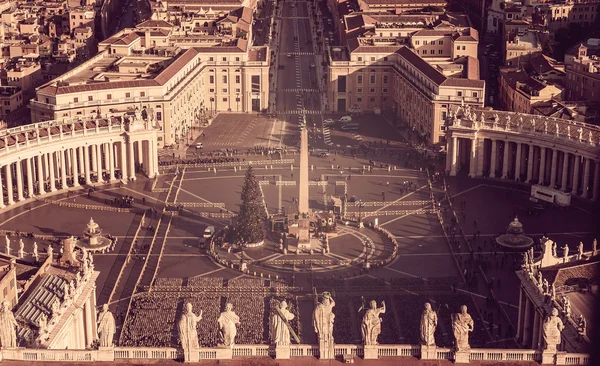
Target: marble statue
[[580, 251], [55, 308], [551, 330], [595, 247], [539, 278], [280, 328], [66, 291], [8, 334], [7, 240], [371, 323], [138, 115], [496, 120], [482, 119], [228, 320], [323, 318], [580, 131], [49, 251], [556, 128], [520, 123], [545, 286], [565, 251], [186, 326], [106, 327], [553, 292], [462, 324], [429, 321], [507, 125], [21, 249], [590, 138], [569, 132], [546, 127], [582, 326], [554, 249], [35, 251]]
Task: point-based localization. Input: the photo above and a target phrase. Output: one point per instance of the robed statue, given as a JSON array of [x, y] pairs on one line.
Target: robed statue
[[323, 318], [228, 321], [8, 334], [187, 328], [106, 327], [429, 321], [551, 330], [371, 323], [280, 326], [462, 324]]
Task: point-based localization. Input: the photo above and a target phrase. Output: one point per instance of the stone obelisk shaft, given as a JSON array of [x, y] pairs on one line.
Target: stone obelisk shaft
[[303, 197]]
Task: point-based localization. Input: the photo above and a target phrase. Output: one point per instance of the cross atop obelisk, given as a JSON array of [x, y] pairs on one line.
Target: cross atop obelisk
[[303, 197]]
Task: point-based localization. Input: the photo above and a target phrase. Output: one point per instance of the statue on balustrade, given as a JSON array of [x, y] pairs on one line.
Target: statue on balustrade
[[106, 327], [565, 252], [496, 120], [187, 328], [280, 326], [551, 330], [580, 251], [371, 323], [8, 334], [462, 324], [323, 318], [482, 119], [429, 321], [7, 242], [595, 247], [580, 131], [507, 125], [554, 249], [546, 127], [228, 320]]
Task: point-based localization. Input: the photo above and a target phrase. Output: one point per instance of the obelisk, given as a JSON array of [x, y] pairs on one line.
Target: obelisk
[[303, 197]]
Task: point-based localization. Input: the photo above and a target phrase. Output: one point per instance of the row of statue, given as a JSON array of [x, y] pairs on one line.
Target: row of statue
[[186, 326]]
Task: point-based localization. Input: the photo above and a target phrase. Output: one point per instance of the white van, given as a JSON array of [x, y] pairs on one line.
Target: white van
[[208, 232], [346, 119]]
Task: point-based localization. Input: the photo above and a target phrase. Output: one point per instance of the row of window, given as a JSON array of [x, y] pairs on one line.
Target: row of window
[[425, 42], [211, 79], [225, 90], [108, 97], [372, 79]]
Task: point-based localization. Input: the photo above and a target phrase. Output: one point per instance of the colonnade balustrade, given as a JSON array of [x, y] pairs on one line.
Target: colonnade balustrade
[[45, 157], [560, 154]]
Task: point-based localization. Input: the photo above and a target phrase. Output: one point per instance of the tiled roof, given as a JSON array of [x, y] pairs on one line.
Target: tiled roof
[[429, 71], [405, 2], [155, 24], [466, 83], [56, 90], [124, 39], [257, 54], [432, 33], [175, 66]]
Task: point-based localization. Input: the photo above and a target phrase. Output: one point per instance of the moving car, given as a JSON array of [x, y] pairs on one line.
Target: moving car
[[346, 119], [328, 122], [208, 232]]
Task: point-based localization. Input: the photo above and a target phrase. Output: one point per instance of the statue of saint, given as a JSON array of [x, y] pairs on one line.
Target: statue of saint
[[49, 252], [323, 318], [496, 120], [580, 131], [106, 327], [8, 334], [55, 308], [429, 321], [187, 329], [7, 244], [565, 251], [546, 127], [580, 251], [280, 328], [551, 331], [138, 115], [371, 323], [554, 249], [35, 251], [595, 247], [462, 324], [227, 325], [507, 125]]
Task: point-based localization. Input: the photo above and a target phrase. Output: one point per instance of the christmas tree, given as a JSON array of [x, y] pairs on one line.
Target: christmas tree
[[250, 227]]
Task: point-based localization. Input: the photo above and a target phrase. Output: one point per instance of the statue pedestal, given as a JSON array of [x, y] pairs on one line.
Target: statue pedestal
[[326, 350], [561, 358], [107, 354], [462, 356], [282, 352], [224, 353], [371, 352], [191, 355], [548, 357], [428, 352]]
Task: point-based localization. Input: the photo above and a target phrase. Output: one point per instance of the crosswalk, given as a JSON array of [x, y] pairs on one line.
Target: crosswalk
[[327, 136], [300, 112], [302, 53], [358, 137], [300, 90]]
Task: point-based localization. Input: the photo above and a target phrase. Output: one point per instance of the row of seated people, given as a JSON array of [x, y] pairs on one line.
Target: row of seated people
[[209, 282], [246, 283]]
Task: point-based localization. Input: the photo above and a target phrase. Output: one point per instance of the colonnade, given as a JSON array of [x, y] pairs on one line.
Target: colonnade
[[530, 161], [49, 170]]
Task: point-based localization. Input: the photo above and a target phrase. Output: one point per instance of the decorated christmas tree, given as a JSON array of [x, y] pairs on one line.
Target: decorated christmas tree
[[249, 226]]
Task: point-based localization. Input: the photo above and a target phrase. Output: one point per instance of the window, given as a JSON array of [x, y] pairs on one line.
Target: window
[[425, 43], [432, 52], [211, 79], [237, 59], [90, 98], [386, 79], [417, 42], [255, 83], [211, 90], [142, 94], [75, 100], [359, 90], [159, 116], [108, 96], [359, 58], [464, 48], [224, 79], [372, 79], [372, 90], [459, 93], [225, 99], [371, 99], [372, 58], [359, 79], [440, 52], [385, 58], [440, 42], [238, 90], [211, 58], [238, 79], [384, 90], [127, 95], [475, 94], [359, 99], [458, 48], [224, 90], [224, 58], [342, 84]]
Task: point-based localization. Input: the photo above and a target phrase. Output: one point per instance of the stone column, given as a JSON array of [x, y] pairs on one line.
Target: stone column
[[51, 168], [151, 148], [530, 163], [493, 159], [454, 156], [449, 150], [535, 331], [145, 154], [586, 178], [40, 169], [2, 205], [29, 161], [505, 160], [131, 159], [542, 165], [480, 157], [63, 170], [94, 167], [596, 181], [123, 156], [99, 162], [19, 175], [9, 185], [74, 162], [518, 162], [110, 160], [565, 172], [86, 164], [576, 164], [155, 156], [527, 322], [473, 159], [553, 168]]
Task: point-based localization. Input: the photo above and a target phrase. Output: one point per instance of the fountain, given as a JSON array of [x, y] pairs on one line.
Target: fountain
[[514, 239], [93, 240]]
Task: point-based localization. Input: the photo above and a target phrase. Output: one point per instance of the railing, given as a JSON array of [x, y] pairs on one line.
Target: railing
[[577, 359], [504, 355], [58, 355], [148, 353]]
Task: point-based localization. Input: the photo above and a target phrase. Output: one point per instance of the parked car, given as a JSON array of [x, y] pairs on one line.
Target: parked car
[[350, 127], [328, 122], [346, 119], [208, 232]]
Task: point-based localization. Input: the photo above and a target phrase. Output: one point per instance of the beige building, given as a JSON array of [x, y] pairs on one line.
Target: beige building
[[519, 92], [178, 78], [583, 79], [396, 78], [522, 47], [11, 98], [8, 279]]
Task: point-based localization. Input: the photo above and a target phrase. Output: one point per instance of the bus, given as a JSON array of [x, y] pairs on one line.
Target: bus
[[551, 195]]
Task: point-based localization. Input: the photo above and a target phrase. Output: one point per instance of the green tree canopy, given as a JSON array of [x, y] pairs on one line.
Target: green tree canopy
[[250, 225]]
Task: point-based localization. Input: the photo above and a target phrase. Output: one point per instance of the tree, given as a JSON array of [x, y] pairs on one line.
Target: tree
[[250, 226]]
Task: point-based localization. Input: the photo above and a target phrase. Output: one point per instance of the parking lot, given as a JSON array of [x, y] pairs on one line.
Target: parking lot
[[371, 128]]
